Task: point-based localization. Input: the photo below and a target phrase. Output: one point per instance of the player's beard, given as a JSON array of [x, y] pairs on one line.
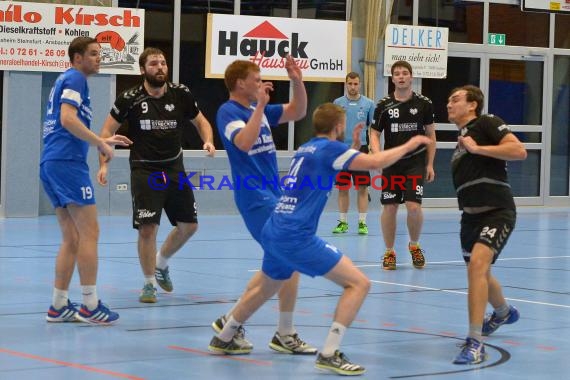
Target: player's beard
[[153, 81]]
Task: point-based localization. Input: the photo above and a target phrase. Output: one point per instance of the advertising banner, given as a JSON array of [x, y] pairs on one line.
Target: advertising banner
[[423, 47], [321, 48], [35, 37]]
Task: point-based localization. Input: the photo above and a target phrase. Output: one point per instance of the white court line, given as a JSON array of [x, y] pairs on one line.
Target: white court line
[[461, 292], [464, 293], [461, 261]]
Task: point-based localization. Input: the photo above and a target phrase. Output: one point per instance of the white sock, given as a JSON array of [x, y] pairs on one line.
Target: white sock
[[362, 217], [90, 298], [476, 332], [59, 298], [150, 280], [503, 310], [286, 324], [230, 312], [161, 261], [334, 338], [343, 217], [229, 329]]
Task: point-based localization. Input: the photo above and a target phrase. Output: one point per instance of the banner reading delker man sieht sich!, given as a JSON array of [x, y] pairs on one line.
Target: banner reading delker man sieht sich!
[[320, 47], [35, 37]]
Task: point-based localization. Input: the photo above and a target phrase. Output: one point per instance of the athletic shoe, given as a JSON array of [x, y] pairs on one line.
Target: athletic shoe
[[163, 279], [389, 261], [341, 228], [102, 315], [340, 364], [418, 259], [233, 347], [148, 294], [67, 313], [291, 344], [362, 228], [492, 322], [218, 326], [472, 352]]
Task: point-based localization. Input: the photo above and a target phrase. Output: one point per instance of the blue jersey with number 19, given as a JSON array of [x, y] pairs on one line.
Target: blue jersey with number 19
[[311, 175], [254, 173], [59, 144]]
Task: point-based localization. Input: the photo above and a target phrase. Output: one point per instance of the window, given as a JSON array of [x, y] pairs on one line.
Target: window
[[460, 71], [520, 28], [463, 18], [562, 32], [560, 144]]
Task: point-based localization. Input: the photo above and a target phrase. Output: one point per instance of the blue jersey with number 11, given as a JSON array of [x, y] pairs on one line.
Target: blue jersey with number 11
[[315, 164]]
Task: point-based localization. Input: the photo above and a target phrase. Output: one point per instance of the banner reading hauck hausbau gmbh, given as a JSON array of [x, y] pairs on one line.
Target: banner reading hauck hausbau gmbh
[[35, 37], [424, 47], [320, 47]]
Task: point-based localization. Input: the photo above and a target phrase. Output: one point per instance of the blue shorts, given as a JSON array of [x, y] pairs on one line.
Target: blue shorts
[[308, 255], [255, 219], [67, 182]]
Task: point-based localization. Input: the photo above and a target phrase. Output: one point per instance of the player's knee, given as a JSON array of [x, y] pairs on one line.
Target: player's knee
[[414, 208], [148, 231], [390, 209], [365, 285], [478, 266], [187, 229]]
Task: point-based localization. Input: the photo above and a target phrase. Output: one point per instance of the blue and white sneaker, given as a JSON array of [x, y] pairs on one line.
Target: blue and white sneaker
[[491, 322], [102, 315], [472, 352], [67, 313]]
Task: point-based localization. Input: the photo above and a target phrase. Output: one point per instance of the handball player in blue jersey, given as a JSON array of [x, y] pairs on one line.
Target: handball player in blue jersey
[[245, 123], [65, 177], [291, 246]]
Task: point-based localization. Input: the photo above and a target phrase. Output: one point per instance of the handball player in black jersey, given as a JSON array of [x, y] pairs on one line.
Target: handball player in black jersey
[[484, 195], [401, 116], [157, 111]]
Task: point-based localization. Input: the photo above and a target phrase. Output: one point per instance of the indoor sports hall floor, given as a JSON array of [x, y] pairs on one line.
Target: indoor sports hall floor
[[409, 326]]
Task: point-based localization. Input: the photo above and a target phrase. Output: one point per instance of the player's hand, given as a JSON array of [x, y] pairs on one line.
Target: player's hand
[[293, 70], [102, 175], [356, 133], [467, 143], [418, 140], [430, 174], [263, 93], [210, 149], [106, 150], [118, 140]]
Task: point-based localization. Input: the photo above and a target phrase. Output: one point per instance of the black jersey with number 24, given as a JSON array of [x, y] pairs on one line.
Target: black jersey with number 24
[[479, 180]]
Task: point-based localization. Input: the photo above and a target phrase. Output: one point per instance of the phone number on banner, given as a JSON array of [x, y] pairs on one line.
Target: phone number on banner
[[32, 52]]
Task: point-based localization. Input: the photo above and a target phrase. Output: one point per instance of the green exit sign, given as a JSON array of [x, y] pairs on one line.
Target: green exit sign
[[497, 39]]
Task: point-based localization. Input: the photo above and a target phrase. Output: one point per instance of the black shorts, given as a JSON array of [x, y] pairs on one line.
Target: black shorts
[[404, 181], [154, 190], [357, 177], [491, 228]]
